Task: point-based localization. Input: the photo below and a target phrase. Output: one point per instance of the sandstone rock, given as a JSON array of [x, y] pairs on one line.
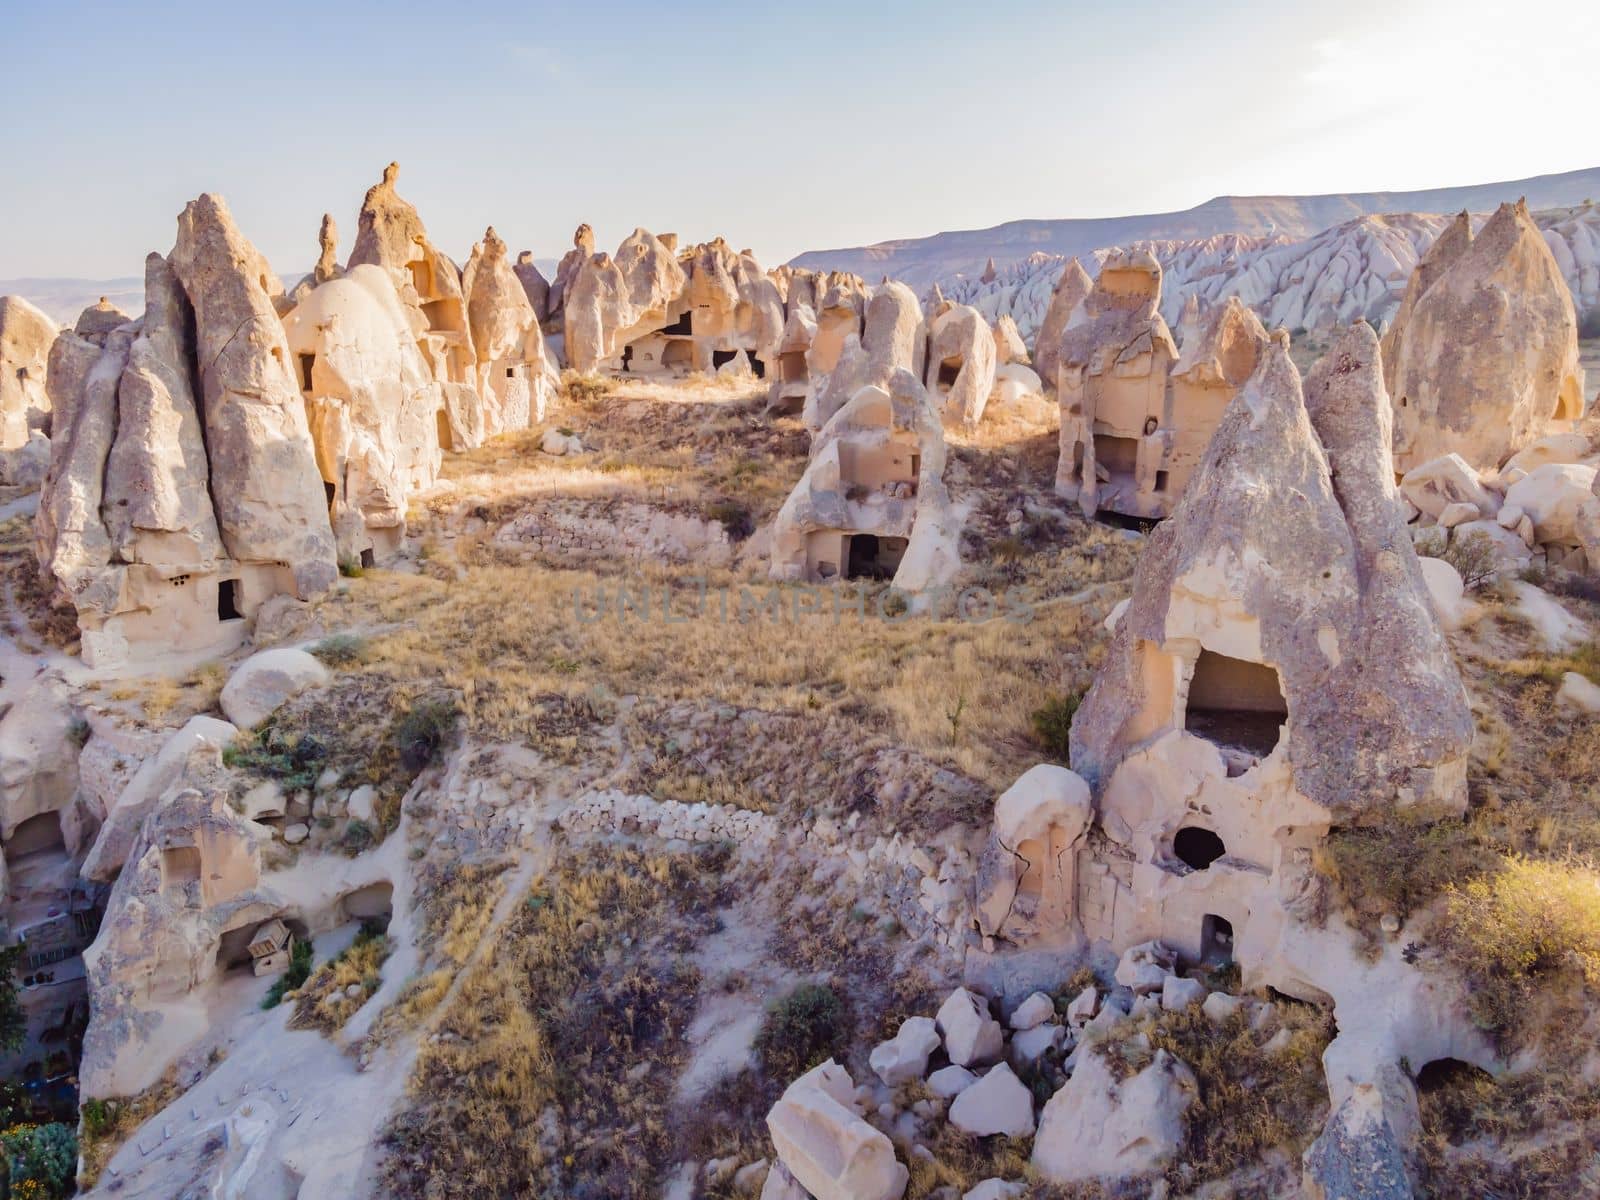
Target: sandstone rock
[[162, 774], [1036, 822], [1035, 1010], [1030, 1045], [1008, 346], [1083, 1005], [363, 802], [1146, 967], [876, 474], [1071, 287], [534, 285], [1097, 1128], [97, 322], [996, 1189], [904, 1057], [1507, 550], [948, 1082], [823, 1142], [961, 364], [296, 833], [26, 336], [1219, 1006], [264, 801], [38, 754], [1440, 482], [373, 406], [1553, 448], [1483, 352], [270, 504], [1457, 514], [780, 1185], [1178, 993], [998, 1103], [1448, 595], [1551, 496], [515, 376], [1376, 675], [971, 1036], [893, 338], [1578, 691], [264, 681], [1357, 1156]]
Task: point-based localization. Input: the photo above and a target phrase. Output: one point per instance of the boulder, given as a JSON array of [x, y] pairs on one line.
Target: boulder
[[1509, 553], [1030, 1045], [1095, 1127], [39, 747], [1081, 1010], [960, 341], [1219, 1006], [1435, 485], [1580, 692], [996, 1189], [823, 1142], [1555, 448], [264, 681], [1035, 1010], [1552, 497], [780, 1185], [1178, 993], [948, 1082], [1146, 967], [971, 1036], [363, 802], [1457, 514], [1446, 591], [904, 1057], [999, 1103]]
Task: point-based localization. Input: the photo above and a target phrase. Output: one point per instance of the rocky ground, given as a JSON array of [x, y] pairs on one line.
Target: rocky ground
[[662, 837]]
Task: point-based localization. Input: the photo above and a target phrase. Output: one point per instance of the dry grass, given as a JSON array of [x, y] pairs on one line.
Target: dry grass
[[509, 639], [586, 981], [323, 1002], [33, 617], [107, 1123]]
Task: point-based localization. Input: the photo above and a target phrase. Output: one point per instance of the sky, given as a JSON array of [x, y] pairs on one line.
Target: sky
[[782, 127]]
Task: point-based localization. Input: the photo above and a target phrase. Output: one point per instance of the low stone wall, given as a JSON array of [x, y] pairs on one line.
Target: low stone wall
[[617, 529]]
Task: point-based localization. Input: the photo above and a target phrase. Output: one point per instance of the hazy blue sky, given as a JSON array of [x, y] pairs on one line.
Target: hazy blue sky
[[783, 127]]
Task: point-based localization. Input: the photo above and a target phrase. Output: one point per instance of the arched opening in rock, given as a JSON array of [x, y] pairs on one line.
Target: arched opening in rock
[[871, 557], [1443, 1073], [369, 559], [792, 366], [442, 419], [233, 950], [678, 353], [39, 834], [1197, 848], [308, 363], [949, 369], [1216, 940], [1116, 455], [1236, 703], [372, 905]]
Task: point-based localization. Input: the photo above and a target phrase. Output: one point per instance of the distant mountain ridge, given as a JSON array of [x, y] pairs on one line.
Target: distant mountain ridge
[[920, 261]]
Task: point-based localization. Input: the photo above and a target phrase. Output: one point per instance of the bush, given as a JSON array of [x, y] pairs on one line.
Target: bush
[[806, 1027], [294, 760], [1473, 558], [1510, 931], [42, 1159], [298, 971], [1052, 725], [357, 836], [733, 516], [422, 731]]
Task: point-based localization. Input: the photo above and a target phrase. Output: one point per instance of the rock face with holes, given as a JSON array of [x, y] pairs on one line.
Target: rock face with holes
[[516, 377], [873, 504], [1111, 382], [961, 364], [893, 337], [183, 488], [1482, 355], [373, 406]]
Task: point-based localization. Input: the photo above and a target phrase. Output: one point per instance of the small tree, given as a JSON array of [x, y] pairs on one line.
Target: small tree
[[13, 1022], [1473, 557]]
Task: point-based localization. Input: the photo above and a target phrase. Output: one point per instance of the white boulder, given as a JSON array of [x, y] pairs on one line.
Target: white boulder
[[1097, 1128], [1145, 967], [904, 1057], [1035, 1010], [1448, 594], [971, 1036], [1551, 496], [1032, 1044], [948, 1082], [1178, 993], [1579, 692], [823, 1142], [1449, 479], [264, 681], [997, 1103]]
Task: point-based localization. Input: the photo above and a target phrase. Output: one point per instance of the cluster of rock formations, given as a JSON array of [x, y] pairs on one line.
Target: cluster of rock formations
[[1482, 358], [1353, 271]]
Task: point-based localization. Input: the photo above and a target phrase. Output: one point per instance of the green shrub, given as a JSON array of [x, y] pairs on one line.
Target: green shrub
[[293, 759], [357, 836], [42, 1160], [733, 516], [297, 972], [423, 730], [1052, 725], [351, 568], [806, 1027]]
